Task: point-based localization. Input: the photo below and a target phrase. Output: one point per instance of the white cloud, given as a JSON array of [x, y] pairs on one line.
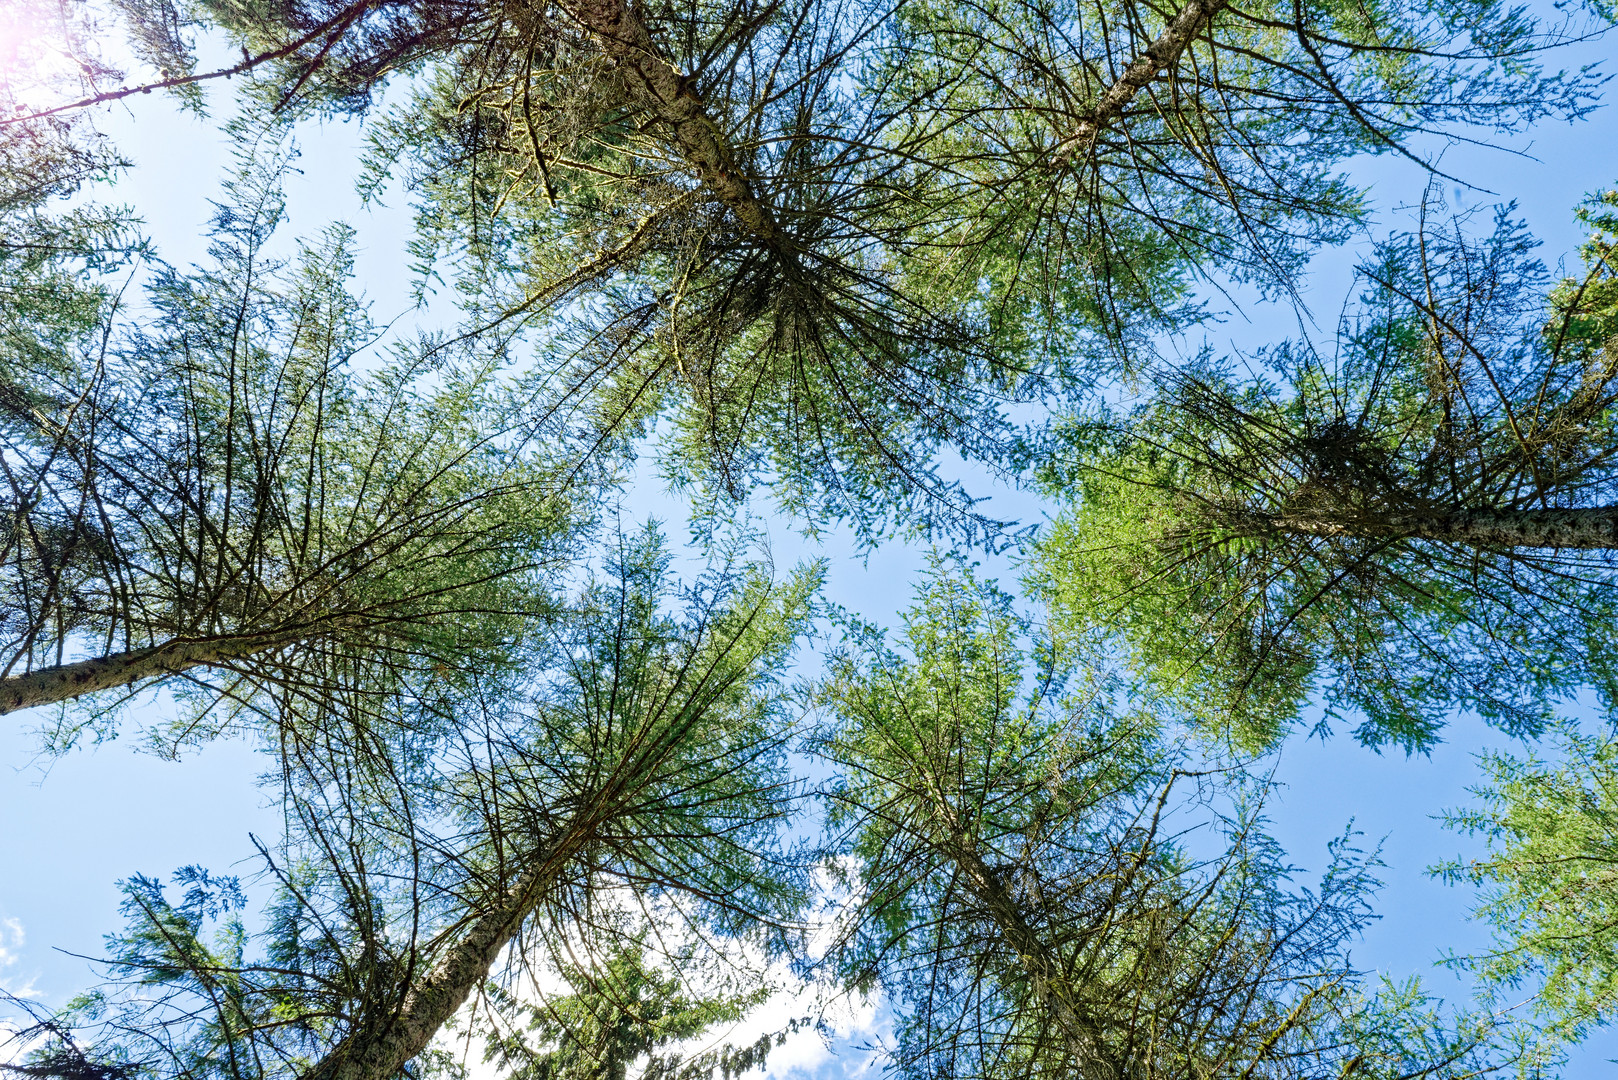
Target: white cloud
[[12, 940], [850, 1028], [845, 1030]]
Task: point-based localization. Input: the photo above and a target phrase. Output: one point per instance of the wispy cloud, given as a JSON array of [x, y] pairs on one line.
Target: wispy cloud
[[12, 939]]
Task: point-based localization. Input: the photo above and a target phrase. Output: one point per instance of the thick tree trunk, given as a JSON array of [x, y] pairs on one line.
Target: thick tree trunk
[[47, 686], [1592, 529], [1083, 1038], [1589, 529], [1080, 1033], [379, 1051], [1159, 56], [659, 87]]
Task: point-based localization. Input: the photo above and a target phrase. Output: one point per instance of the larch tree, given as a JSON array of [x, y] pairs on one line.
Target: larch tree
[[829, 241], [817, 246], [1037, 899], [632, 781], [1422, 517], [208, 490], [1545, 881]]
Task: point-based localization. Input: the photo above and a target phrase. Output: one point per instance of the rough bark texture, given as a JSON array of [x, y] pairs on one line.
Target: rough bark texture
[[1051, 989], [380, 1047], [1591, 529], [1159, 56], [381, 1051], [64, 682], [659, 87]]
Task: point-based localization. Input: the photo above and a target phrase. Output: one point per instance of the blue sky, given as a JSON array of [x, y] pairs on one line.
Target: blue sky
[[70, 831]]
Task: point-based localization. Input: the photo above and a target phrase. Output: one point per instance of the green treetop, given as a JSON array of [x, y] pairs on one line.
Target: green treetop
[[633, 777], [831, 240], [1546, 881], [1032, 894], [210, 492], [1423, 518]]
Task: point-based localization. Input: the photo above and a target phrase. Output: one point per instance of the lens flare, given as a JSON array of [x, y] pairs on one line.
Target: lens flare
[[44, 53]]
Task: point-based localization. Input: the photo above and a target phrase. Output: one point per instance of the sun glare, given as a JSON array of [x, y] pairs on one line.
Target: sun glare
[[37, 54], [19, 35]]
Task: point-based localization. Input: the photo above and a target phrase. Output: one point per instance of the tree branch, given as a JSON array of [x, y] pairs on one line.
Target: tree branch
[[1159, 56], [64, 682], [333, 26], [372, 1054], [659, 87], [1589, 529]]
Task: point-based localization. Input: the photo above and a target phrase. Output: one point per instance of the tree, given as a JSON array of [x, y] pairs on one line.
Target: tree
[[1030, 903], [820, 245], [214, 499], [634, 776], [1546, 881], [1423, 520], [55, 261], [626, 1013], [831, 241]]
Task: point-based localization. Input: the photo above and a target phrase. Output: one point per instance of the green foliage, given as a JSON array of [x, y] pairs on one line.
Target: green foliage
[[1547, 884], [156, 32], [1120, 565], [183, 969], [634, 775], [1378, 525], [1037, 898], [225, 473], [944, 241], [823, 250], [56, 261]]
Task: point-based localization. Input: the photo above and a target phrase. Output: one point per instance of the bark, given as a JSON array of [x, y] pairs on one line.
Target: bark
[[1590, 529], [51, 685], [381, 1051], [380, 1048], [1159, 56], [657, 86], [1051, 988]]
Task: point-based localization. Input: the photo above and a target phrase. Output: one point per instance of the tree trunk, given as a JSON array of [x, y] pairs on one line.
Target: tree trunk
[[1159, 56], [379, 1051], [47, 686], [1083, 1037], [655, 84], [1080, 1032], [1591, 529]]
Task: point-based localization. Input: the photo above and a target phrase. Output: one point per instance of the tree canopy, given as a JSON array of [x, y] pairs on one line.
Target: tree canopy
[[555, 808], [210, 494], [1418, 515]]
